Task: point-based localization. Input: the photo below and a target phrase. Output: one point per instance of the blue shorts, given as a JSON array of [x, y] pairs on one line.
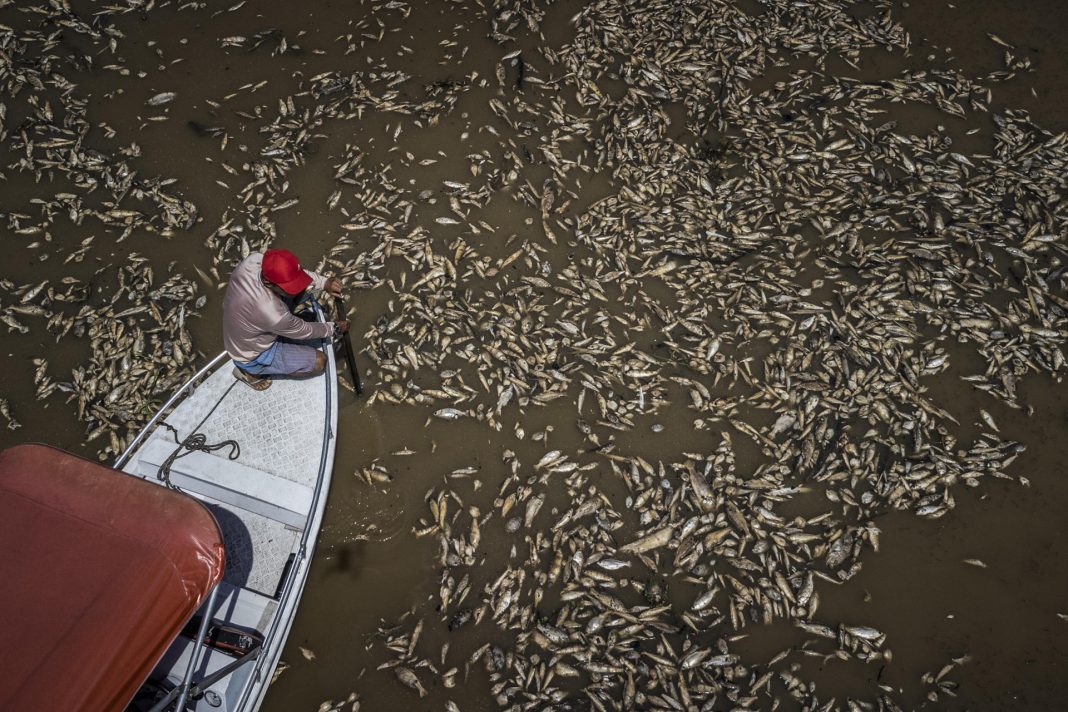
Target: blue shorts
[[282, 359]]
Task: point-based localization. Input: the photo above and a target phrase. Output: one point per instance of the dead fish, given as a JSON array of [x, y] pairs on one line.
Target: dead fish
[[702, 602], [695, 658], [409, 679], [533, 507], [658, 538], [612, 564], [865, 632], [162, 98]]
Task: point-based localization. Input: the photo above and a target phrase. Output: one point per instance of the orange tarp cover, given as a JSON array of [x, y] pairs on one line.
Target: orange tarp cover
[[99, 571]]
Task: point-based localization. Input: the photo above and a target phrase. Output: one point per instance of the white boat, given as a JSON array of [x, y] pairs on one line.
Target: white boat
[[268, 498], [175, 588]]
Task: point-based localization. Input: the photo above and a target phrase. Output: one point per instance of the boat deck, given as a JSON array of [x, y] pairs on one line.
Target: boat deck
[[280, 430], [257, 547], [262, 499]]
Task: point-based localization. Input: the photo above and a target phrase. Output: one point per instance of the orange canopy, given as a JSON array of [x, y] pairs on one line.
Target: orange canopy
[[100, 571]]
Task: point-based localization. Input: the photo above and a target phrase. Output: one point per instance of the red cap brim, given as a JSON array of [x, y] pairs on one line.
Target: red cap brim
[[298, 284]]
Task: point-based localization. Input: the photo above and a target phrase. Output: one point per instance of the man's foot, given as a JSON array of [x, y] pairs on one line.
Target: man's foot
[[256, 383]]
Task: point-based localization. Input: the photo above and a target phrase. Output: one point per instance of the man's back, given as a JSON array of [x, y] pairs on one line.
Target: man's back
[[254, 317]]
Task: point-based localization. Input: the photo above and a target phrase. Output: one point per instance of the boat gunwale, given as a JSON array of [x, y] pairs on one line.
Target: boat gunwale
[[302, 561], [180, 394]]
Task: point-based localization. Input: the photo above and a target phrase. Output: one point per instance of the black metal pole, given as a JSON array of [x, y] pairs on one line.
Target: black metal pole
[[194, 655], [351, 360], [198, 690], [350, 357]]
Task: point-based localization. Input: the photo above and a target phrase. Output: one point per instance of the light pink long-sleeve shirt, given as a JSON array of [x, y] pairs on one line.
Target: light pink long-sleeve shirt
[[254, 317]]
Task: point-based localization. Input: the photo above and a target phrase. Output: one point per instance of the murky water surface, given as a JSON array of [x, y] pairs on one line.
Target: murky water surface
[[429, 153]]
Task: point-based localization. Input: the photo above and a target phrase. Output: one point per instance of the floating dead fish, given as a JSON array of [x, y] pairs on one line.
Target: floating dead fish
[[649, 542], [162, 98], [788, 282]]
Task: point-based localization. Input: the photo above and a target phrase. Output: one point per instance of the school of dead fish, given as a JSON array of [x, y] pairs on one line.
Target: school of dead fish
[[132, 317], [775, 264]]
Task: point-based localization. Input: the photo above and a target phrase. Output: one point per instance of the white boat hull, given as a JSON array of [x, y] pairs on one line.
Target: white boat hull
[[269, 502]]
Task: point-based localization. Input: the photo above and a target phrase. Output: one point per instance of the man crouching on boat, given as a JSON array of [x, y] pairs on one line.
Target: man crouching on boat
[[260, 332]]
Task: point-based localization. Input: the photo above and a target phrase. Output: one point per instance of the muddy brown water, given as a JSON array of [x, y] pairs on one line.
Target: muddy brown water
[[369, 570]]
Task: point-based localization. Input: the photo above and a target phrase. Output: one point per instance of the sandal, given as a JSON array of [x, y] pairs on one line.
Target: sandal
[[260, 383]]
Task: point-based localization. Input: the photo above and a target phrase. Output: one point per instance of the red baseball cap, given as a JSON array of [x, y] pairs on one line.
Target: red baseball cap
[[281, 268]]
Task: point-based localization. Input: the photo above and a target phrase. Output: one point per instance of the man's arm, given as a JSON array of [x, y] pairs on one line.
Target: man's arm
[[318, 280], [291, 327], [320, 283]]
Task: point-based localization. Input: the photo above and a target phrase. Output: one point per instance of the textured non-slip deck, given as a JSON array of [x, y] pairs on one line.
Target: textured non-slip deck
[[256, 547], [261, 498], [280, 430]]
